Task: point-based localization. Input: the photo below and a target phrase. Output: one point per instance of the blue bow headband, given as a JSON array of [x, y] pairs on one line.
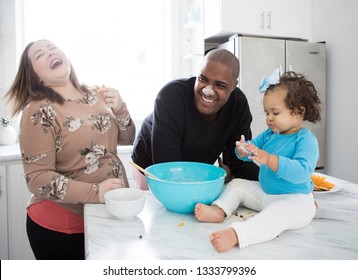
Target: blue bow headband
[[270, 80]]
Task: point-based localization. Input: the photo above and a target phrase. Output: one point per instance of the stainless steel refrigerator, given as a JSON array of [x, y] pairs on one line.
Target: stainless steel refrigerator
[[260, 56]]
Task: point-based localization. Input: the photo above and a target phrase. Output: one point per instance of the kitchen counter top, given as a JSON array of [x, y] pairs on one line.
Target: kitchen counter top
[[157, 233], [10, 153]]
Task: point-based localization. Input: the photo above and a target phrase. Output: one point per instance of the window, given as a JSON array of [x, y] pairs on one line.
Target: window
[[116, 43]]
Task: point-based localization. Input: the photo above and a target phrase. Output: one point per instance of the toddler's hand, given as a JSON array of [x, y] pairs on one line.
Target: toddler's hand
[[241, 147], [257, 155]]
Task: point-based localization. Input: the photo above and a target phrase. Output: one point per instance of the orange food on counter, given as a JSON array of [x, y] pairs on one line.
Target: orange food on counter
[[321, 183], [182, 223]]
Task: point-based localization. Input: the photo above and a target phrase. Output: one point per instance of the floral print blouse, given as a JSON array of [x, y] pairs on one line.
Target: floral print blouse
[[67, 149]]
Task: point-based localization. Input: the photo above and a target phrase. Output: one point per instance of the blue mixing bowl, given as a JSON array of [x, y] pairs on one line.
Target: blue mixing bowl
[[183, 184]]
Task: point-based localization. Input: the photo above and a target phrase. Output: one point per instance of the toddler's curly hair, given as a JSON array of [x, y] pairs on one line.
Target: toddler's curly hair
[[302, 97]]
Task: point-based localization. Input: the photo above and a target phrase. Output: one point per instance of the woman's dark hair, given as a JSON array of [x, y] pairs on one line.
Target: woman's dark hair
[[27, 86]]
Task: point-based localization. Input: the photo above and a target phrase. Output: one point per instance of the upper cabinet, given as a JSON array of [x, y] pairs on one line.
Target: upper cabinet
[[192, 36], [276, 18]]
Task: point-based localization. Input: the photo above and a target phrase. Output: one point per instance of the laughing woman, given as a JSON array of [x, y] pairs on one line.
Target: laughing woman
[[69, 134]]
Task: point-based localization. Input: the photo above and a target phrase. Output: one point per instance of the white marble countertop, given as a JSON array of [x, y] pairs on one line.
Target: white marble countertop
[[10, 153], [157, 233]]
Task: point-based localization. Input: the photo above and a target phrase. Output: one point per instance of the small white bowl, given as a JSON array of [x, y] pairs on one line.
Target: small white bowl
[[124, 202]]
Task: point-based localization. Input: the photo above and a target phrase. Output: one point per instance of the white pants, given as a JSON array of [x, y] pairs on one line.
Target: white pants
[[276, 212]]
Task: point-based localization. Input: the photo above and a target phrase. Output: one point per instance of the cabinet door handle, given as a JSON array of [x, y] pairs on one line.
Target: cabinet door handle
[[0, 186], [262, 20], [269, 20]]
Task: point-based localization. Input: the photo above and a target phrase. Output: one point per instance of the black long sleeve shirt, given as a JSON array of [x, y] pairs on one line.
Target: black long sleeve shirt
[[175, 131]]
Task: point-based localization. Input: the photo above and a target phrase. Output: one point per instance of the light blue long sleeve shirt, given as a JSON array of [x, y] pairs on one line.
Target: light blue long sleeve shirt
[[297, 153]]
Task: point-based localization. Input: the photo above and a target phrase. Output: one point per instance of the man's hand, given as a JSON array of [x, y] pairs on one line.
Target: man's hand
[[228, 177]]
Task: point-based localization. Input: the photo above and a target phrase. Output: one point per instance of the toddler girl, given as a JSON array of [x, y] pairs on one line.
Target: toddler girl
[[287, 154]]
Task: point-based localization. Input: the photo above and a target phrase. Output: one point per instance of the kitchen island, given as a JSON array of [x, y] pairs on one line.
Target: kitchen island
[[157, 233]]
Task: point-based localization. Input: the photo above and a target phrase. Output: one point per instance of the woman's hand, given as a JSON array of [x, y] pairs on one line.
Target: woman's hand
[[109, 184], [112, 98]]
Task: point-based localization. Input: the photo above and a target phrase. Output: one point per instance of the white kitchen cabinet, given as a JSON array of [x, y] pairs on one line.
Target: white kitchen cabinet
[[192, 36], [18, 196], [13, 199], [124, 153], [276, 18], [4, 246]]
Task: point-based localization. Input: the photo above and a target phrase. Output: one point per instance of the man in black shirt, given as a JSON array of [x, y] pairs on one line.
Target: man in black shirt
[[198, 119]]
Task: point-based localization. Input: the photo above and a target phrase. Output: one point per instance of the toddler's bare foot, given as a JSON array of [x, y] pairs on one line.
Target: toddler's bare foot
[[209, 213], [224, 240]]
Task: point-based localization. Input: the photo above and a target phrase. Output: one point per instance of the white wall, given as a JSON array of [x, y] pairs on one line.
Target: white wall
[[336, 22], [8, 48]]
